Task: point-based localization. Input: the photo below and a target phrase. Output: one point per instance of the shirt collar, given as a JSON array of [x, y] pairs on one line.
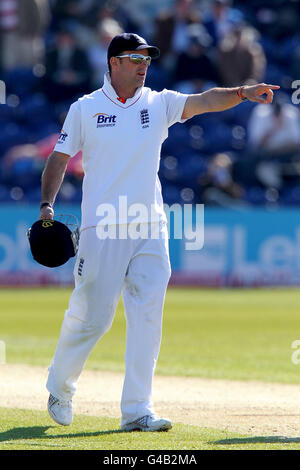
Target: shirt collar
[[110, 92]]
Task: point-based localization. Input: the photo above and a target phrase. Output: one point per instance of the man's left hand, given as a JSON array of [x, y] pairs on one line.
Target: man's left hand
[[256, 92]]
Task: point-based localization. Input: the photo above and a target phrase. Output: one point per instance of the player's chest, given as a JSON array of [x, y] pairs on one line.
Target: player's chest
[[112, 122]]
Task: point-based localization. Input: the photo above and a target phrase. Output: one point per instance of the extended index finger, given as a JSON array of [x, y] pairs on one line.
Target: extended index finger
[[272, 87]]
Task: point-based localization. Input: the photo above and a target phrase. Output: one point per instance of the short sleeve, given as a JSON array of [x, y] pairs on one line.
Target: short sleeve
[[175, 103], [69, 140]]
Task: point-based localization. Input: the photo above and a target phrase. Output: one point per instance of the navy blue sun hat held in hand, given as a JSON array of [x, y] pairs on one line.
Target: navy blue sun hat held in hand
[[52, 243]]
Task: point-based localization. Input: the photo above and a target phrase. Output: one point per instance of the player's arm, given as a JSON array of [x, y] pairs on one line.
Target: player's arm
[[52, 179], [219, 99]]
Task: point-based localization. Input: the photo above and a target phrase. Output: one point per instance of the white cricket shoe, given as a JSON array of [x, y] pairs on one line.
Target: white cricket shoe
[[148, 423], [61, 411]]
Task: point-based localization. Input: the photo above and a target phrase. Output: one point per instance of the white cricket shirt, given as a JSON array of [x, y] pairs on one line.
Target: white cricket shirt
[[121, 145]]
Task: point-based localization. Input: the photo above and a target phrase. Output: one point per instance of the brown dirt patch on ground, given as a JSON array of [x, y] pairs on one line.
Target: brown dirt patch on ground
[[260, 409]]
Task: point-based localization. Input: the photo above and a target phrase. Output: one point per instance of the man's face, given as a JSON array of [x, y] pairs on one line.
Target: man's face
[[133, 75]]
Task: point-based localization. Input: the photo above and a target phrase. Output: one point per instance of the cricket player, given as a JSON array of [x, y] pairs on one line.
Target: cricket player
[[120, 129]]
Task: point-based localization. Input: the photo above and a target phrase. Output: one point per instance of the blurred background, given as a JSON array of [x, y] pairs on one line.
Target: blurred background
[[243, 164]]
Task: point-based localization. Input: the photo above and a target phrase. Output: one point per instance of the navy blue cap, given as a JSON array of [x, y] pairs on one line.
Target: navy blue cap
[[130, 42], [52, 242]]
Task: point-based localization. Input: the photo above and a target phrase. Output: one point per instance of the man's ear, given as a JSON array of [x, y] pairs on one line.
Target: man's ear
[[113, 62]]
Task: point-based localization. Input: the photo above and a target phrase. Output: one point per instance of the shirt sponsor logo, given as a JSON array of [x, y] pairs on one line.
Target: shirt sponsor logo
[[62, 137], [104, 120], [145, 119]]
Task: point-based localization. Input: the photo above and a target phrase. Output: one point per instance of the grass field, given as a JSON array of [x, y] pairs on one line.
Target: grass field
[[229, 334], [33, 430]]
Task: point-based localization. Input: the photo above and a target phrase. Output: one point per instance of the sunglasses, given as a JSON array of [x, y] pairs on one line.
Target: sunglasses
[[137, 58]]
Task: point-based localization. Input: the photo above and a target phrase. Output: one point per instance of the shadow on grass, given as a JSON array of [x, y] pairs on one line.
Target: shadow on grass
[[39, 432], [259, 440]]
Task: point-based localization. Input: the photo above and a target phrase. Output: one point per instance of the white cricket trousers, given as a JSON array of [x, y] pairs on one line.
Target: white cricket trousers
[[140, 269]]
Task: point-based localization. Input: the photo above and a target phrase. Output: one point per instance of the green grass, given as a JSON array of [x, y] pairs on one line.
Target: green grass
[[230, 334], [33, 430]]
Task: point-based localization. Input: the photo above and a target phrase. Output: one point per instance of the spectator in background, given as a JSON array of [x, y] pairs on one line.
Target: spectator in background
[[241, 59], [97, 53], [67, 69], [22, 166], [274, 139], [217, 186], [22, 24], [171, 31], [195, 70], [220, 20], [71, 12], [274, 130], [134, 15]]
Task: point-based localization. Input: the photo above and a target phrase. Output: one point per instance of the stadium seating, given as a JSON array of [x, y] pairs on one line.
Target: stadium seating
[[28, 118]]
